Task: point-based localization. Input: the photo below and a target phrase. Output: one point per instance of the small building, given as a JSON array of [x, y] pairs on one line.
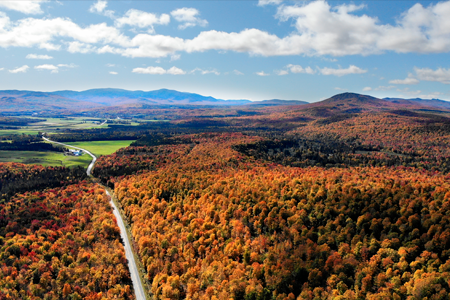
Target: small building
[[75, 152]]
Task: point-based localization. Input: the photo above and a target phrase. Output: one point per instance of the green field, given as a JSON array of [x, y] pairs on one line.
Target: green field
[[59, 159], [44, 158], [57, 125], [102, 147], [54, 125]]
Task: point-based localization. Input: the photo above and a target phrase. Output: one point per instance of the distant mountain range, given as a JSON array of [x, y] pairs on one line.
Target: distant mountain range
[[21, 101], [14, 100], [275, 102], [119, 97], [423, 102]]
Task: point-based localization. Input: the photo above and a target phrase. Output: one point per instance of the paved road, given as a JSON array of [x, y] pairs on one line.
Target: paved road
[[137, 284], [94, 158]]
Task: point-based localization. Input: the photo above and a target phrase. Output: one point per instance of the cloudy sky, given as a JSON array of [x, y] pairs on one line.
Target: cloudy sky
[[266, 49]]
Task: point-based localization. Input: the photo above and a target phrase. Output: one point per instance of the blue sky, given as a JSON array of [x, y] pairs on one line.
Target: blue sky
[[266, 49]]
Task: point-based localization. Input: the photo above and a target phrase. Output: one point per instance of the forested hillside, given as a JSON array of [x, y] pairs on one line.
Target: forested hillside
[[211, 223]]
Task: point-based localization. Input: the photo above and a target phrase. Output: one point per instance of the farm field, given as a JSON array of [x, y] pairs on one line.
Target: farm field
[[59, 159], [58, 125], [102, 147], [54, 125], [44, 158]]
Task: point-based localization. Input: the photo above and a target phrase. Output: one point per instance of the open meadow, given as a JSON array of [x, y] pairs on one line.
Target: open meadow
[[44, 158], [102, 147], [51, 158]]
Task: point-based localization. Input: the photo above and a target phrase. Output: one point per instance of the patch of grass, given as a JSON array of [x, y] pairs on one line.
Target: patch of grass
[[44, 158], [102, 147]]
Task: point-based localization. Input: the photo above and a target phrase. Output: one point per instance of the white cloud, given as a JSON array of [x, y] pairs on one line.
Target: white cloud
[[337, 31], [142, 19], [26, 7], [67, 66], [253, 41], [108, 49], [367, 89], [262, 73], [189, 17], [385, 88], [1, 69], [150, 70], [320, 29], [49, 46], [300, 69], [408, 80], [159, 71], [110, 65], [99, 8], [22, 69], [267, 2], [36, 56], [341, 72], [204, 72], [78, 47], [41, 32], [329, 59], [281, 72], [440, 75], [145, 45], [175, 71], [175, 57], [237, 72], [113, 73], [52, 68], [295, 69]]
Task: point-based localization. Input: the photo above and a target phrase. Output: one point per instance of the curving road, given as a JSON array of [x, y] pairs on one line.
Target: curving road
[[137, 284], [94, 158]]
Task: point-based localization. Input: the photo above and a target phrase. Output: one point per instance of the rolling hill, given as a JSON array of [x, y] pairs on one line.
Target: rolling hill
[[14, 100], [17, 101]]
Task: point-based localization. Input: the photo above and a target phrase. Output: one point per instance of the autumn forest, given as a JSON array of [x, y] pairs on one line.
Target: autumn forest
[[346, 198]]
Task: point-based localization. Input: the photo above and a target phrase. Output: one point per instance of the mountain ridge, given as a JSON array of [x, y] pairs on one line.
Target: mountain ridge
[[26, 100]]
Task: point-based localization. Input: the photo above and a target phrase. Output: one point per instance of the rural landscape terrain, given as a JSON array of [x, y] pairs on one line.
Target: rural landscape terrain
[[344, 198]]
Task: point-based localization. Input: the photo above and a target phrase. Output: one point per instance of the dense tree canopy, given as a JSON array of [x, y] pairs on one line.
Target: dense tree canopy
[[16, 177], [211, 223], [62, 243], [332, 201]]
